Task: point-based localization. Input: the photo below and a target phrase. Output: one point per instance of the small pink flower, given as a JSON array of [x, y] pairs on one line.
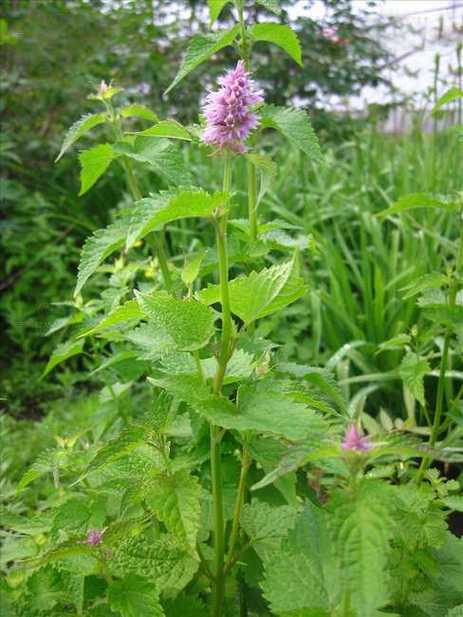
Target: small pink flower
[[353, 440], [102, 88], [94, 536], [228, 110], [331, 34]]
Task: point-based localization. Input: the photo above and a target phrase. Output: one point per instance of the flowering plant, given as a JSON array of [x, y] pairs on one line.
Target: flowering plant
[[212, 478]]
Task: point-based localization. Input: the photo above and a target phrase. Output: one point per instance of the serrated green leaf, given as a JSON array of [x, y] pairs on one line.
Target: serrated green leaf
[[454, 502], [314, 587], [260, 293], [170, 129], [68, 551], [80, 128], [294, 124], [152, 213], [261, 521], [362, 529], [215, 8], [97, 248], [422, 200], [135, 110], [451, 95], [322, 379], [188, 323], [63, 352], [456, 611], [202, 47], [239, 367], [45, 463], [94, 163], [129, 312], [186, 606], [175, 499], [134, 596], [72, 515], [397, 342], [295, 586], [433, 280], [151, 342], [270, 5], [129, 439], [263, 407], [280, 35], [412, 370], [192, 267], [164, 560], [295, 458], [164, 157], [268, 452]]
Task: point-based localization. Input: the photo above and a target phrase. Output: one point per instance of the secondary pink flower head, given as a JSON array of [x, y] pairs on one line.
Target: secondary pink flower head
[[353, 440], [228, 110], [94, 536]]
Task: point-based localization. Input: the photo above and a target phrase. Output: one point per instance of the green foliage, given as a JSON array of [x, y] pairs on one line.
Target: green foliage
[[167, 128], [175, 499], [160, 155], [280, 35], [261, 293], [412, 370], [94, 163], [294, 125], [63, 352], [136, 110], [133, 596], [215, 8], [200, 49], [79, 129], [150, 214], [363, 529], [97, 248], [186, 325]]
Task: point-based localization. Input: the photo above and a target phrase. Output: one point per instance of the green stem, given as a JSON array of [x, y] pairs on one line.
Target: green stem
[[221, 239], [252, 200], [245, 51], [215, 432], [219, 523], [245, 463]]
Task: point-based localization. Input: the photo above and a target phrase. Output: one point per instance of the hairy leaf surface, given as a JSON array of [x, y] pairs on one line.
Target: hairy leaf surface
[[280, 35], [188, 323], [260, 293], [79, 129], [152, 213], [202, 47], [94, 162], [134, 596], [294, 124]]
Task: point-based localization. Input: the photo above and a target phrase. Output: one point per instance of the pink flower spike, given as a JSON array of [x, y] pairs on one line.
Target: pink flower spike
[[353, 440], [94, 536], [229, 118]]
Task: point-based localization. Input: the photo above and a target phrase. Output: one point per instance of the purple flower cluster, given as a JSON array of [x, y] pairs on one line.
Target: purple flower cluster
[[228, 111], [353, 440]]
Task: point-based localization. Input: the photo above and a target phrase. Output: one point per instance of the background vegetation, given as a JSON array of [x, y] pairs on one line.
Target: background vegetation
[[360, 319]]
